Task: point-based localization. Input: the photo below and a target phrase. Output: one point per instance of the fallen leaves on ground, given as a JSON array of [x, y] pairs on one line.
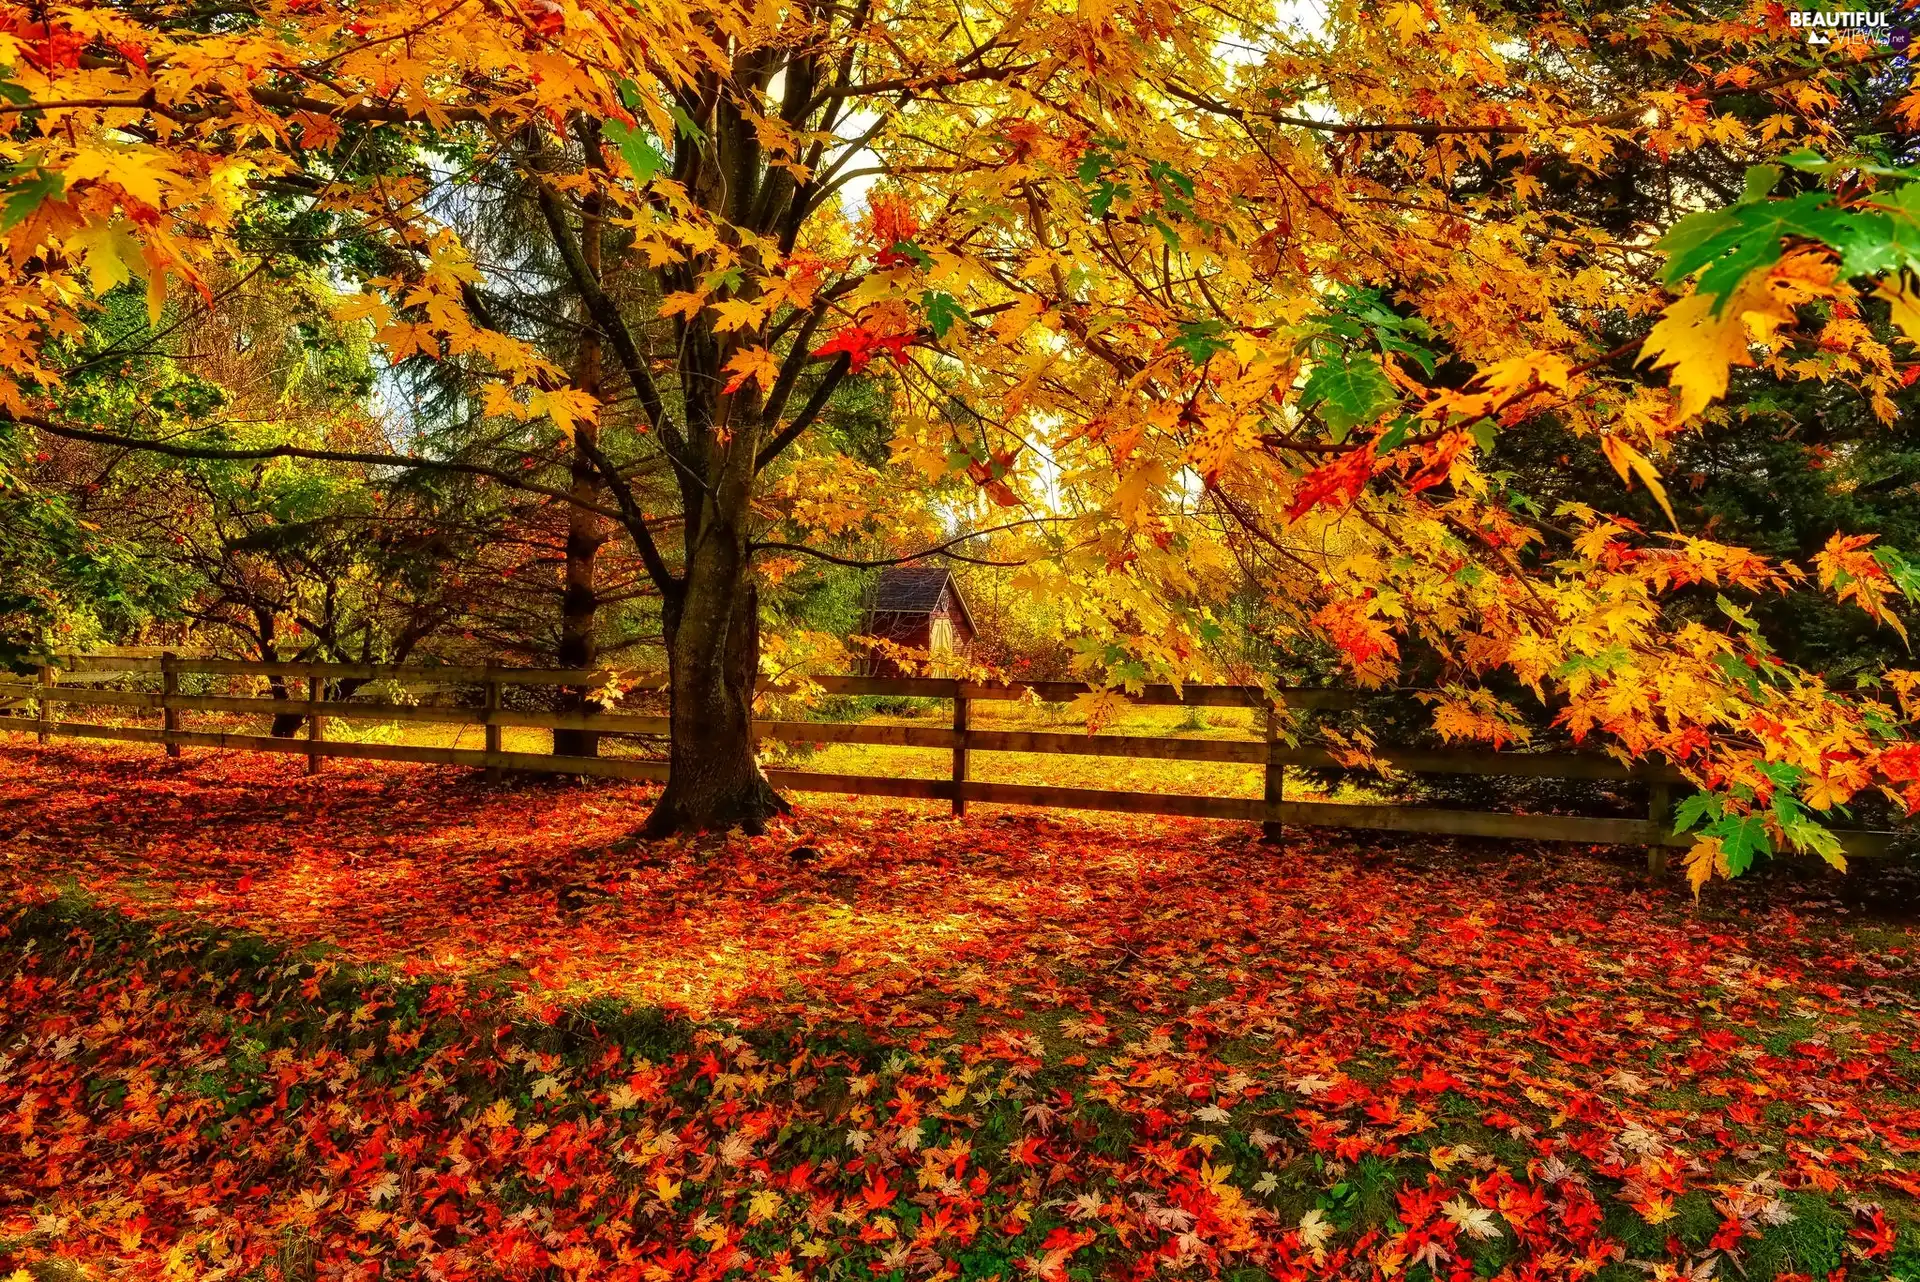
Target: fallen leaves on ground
[[391, 1022]]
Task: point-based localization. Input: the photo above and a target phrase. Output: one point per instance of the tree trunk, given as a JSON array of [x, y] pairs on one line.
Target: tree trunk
[[285, 724], [713, 657], [580, 603], [585, 533]]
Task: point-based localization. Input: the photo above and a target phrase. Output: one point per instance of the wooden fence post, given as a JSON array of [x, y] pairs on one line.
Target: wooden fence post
[[960, 709], [169, 690], [1273, 831], [49, 677], [1660, 815], [316, 724], [492, 730]]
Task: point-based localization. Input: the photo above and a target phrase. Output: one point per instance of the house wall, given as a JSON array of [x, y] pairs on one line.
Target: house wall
[[944, 628]]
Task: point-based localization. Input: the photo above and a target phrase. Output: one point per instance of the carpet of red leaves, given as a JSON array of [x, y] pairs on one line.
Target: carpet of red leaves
[[390, 1021]]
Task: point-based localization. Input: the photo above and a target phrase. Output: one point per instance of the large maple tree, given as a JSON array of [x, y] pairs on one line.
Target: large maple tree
[[1183, 289]]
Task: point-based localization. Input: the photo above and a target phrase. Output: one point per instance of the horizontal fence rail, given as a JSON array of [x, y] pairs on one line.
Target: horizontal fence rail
[[76, 679]]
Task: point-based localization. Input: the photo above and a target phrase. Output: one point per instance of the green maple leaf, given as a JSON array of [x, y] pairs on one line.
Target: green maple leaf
[[1104, 194], [636, 148], [1904, 573], [1346, 392], [1724, 245], [26, 190], [942, 311], [1701, 805], [1200, 340], [1092, 165], [1742, 837]]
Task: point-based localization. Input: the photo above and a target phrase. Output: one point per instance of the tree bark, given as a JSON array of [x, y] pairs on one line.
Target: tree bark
[[285, 724], [580, 601], [712, 632], [713, 657]]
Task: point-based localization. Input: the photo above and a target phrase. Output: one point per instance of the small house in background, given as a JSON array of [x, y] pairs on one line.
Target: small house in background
[[920, 608]]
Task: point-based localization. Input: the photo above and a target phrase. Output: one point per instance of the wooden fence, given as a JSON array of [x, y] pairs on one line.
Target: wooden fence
[[75, 682]]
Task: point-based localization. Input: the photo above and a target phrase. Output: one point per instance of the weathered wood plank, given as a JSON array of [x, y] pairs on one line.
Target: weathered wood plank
[[1245, 809], [1203, 696], [1118, 745], [74, 694], [861, 785], [628, 723], [1195, 696], [907, 687], [920, 687], [617, 722], [848, 732], [49, 677], [1463, 761], [450, 674], [1441, 761], [125, 734], [169, 702], [607, 767], [1414, 819], [317, 722], [83, 663]]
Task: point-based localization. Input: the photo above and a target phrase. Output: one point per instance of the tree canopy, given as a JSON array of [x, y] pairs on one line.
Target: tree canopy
[[1164, 305]]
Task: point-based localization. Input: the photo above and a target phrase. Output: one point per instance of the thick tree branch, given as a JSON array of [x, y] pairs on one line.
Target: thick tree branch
[[932, 80], [210, 453], [605, 312], [631, 517], [939, 549], [1426, 129]]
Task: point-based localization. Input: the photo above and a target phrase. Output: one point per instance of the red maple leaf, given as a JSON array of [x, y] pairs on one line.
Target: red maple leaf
[[862, 345], [1878, 1236], [1335, 484]]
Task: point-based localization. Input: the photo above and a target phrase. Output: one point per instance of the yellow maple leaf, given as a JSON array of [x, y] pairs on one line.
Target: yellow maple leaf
[[498, 400], [403, 339], [755, 364], [1704, 859], [131, 169], [665, 1189], [565, 406], [110, 253], [1898, 291], [367, 307], [1507, 378], [684, 303], [1133, 498], [763, 1205], [737, 313], [1407, 20], [1700, 344], [1630, 462]]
